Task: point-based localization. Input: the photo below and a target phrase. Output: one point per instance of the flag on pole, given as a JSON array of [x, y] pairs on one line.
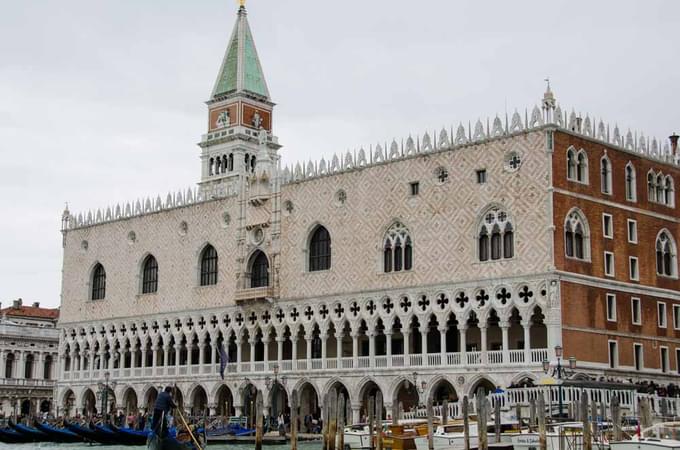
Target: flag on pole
[[224, 359]]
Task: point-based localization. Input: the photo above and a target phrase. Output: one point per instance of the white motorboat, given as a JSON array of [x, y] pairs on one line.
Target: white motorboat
[[448, 437], [571, 434], [662, 436]]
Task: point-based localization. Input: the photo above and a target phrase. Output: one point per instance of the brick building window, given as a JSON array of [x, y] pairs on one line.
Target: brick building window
[[481, 176], [397, 249], [638, 360], [664, 360], [613, 354], [609, 269], [677, 359], [661, 314], [149, 275], [208, 266], [577, 165], [611, 307], [320, 250], [636, 311], [414, 188], [98, 282], [632, 231], [676, 317], [631, 187], [577, 236], [607, 226], [496, 236], [633, 268], [666, 260], [605, 175], [660, 189]]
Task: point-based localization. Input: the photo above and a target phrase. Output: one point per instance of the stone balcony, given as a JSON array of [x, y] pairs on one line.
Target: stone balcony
[[453, 360], [244, 295]]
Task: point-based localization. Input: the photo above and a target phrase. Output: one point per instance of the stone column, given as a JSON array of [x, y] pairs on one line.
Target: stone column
[[527, 340], [371, 347], [280, 339], [482, 336], [93, 357], [294, 341], [252, 340], [166, 355], [356, 412], [423, 343], [324, 349], [19, 366], [213, 352], [133, 357], [462, 330], [265, 354], [154, 357], [178, 352], [406, 332], [339, 335], [308, 352], [355, 348], [388, 347], [505, 327], [239, 353], [142, 361], [3, 360], [442, 343], [201, 351]]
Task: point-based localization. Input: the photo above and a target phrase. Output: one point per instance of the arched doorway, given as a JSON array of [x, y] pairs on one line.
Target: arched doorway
[[483, 384], [309, 406], [443, 390], [45, 406], [337, 388], [369, 391], [249, 398], [26, 408], [89, 403], [68, 401], [225, 402], [150, 398], [278, 403], [130, 401], [406, 396], [199, 401]]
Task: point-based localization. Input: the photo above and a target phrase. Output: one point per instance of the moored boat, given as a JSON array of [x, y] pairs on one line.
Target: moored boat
[[127, 436], [56, 434], [88, 433], [10, 436], [661, 436], [35, 435]]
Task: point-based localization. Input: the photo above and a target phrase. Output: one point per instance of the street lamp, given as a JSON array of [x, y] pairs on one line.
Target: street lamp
[[104, 392], [419, 387], [559, 371]]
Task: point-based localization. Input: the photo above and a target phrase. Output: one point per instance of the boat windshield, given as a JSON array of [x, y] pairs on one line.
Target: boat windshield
[[663, 430]]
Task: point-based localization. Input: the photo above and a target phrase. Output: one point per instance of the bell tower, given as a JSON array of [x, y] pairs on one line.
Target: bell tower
[[239, 135], [239, 159]]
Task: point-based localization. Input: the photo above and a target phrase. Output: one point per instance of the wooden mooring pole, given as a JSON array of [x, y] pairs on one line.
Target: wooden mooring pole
[[378, 417], [259, 407], [466, 424], [616, 417], [542, 442], [294, 420], [587, 438], [482, 436], [341, 421], [430, 424], [371, 423], [324, 422], [332, 419], [497, 420], [445, 412], [532, 414]]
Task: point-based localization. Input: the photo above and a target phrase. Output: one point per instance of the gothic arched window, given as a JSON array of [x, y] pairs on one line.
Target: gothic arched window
[[576, 236], [606, 175], [259, 270], [496, 237], [230, 162], [9, 366], [631, 188], [320, 250], [98, 282], [669, 191], [28, 367], [149, 275], [582, 167], [571, 164], [208, 266], [651, 187], [666, 262], [397, 249], [660, 188]]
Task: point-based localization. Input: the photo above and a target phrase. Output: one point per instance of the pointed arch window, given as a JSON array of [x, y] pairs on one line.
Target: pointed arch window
[[150, 275], [495, 239], [666, 259], [576, 236], [209, 266], [606, 175], [397, 249], [571, 164], [98, 282], [259, 270], [631, 187], [659, 189], [582, 167], [320, 250], [669, 191]]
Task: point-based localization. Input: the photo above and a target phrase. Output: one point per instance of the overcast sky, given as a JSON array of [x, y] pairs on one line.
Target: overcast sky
[[102, 101]]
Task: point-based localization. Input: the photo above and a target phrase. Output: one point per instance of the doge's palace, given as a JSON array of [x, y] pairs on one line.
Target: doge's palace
[[426, 267]]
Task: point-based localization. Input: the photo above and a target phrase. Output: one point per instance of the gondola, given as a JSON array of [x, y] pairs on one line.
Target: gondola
[[10, 436], [103, 434], [35, 435], [156, 442], [58, 434], [87, 433], [127, 436]]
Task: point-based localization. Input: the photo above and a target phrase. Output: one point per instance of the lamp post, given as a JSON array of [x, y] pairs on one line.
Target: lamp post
[[559, 371], [104, 391], [420, 388]]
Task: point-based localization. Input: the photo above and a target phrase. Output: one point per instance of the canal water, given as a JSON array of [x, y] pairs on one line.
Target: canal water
[[46, 445]]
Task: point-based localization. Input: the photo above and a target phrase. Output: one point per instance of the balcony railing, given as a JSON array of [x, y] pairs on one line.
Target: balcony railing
[[492, 358]]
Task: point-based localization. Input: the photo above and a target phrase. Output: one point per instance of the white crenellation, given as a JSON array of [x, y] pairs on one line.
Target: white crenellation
[[447, 139]]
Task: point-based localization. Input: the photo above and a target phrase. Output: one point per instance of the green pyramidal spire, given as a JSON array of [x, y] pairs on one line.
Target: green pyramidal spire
[[241, 70]]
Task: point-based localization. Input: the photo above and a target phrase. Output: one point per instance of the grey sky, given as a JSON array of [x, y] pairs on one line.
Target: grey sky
[[102, 102]]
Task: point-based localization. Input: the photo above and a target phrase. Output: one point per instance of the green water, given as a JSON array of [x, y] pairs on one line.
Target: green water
[[302, 446]]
